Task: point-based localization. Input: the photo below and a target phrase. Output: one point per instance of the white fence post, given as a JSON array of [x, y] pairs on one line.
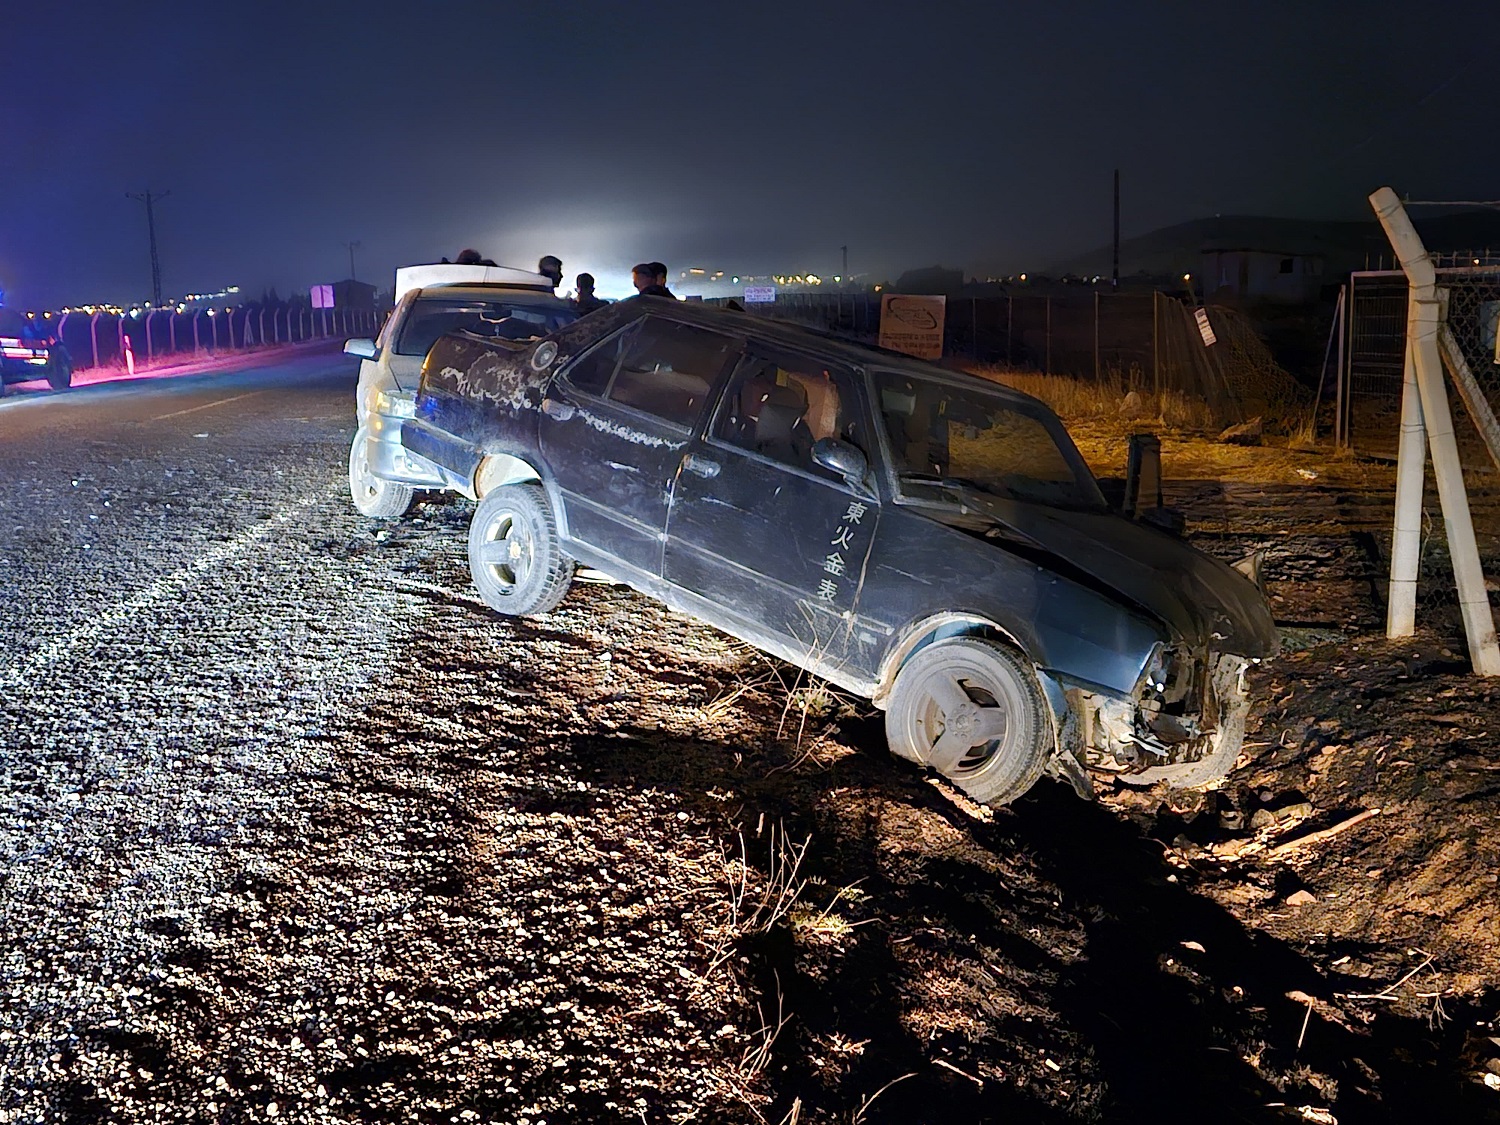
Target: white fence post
[[1425, 368]]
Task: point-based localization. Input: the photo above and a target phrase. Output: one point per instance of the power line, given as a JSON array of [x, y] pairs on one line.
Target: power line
[[148, 199]]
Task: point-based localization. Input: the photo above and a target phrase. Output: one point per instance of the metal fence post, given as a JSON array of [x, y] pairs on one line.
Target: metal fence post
[[213, 325], [172, 332], [196, 314], [1010, 308], [1096, 335], [150, 351], [94, 336], [1047, 365], [1155, 349]]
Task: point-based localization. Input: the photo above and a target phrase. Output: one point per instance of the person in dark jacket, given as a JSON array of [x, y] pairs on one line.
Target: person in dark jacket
[[586, 301], [649, 282]]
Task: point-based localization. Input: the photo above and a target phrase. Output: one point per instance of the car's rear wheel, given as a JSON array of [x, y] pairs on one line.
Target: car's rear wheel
[[372, 495], [972, 710], [515, 556], [59, 371]]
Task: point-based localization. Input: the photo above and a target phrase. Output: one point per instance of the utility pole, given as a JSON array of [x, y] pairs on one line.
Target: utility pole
[[352, 247], [148, 199], [1114, 277]]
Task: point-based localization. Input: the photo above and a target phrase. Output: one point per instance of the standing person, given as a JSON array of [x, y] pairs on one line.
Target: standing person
[[649, 283], [551, 268], [586, 301]]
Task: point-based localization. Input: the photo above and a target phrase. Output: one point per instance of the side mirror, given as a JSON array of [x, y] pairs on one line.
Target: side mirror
[[841, 457], [365, 349]]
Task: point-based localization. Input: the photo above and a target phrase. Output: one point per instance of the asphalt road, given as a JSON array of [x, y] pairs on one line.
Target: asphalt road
[[285, 825]]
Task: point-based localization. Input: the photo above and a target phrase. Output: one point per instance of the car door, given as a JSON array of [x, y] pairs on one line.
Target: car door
[[615, 426], [775, 542]]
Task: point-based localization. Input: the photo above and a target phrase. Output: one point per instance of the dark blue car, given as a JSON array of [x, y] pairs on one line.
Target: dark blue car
[[924, 538], [28, 350]]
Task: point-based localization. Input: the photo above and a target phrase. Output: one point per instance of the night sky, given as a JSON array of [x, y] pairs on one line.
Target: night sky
[[751, 137]]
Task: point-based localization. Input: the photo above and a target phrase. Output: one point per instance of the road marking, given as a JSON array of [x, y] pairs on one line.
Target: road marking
[[43, 658], [206, 405]]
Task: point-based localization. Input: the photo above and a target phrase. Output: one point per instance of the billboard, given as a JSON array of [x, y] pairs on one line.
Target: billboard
[[322, 296], [760, 294], [913, 325]]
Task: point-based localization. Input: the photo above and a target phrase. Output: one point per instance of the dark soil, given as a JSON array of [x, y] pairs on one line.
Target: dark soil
[[293, 827]]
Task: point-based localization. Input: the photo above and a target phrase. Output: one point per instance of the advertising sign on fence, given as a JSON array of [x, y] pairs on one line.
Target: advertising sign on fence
[[322, 296], [760, 294], [1205, 329], [913, 325]]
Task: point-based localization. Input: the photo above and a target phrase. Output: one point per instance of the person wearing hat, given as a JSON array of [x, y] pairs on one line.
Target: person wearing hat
[[586, 302], [650, 280]]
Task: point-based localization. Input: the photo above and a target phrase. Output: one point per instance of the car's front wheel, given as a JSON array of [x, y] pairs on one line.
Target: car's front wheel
[[972, 710], [515, 556], [372, 495]]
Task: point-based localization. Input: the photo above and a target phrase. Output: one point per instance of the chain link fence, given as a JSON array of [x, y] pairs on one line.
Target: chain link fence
[[1370, 404], [1149, 342]]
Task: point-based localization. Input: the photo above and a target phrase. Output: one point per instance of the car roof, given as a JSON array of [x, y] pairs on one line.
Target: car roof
[[493, 293], [452, 273]]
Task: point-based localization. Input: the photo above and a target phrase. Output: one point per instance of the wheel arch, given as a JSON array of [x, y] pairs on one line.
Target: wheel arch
[[937, 627], [496, 470]]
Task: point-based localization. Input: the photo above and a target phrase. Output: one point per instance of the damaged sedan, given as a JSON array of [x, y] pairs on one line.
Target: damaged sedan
[[926, 539]]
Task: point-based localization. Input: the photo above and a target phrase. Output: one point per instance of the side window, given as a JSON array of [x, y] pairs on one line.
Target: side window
[[591, 373], [780, 407], [668, 369]]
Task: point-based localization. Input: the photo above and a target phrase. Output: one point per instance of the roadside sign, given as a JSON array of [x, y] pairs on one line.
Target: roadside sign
[[760, 294], [1205, 329], [322, 296], [913, 325]]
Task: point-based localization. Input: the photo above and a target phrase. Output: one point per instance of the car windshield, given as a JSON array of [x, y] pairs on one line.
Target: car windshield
[[945, 437], [433, 317]]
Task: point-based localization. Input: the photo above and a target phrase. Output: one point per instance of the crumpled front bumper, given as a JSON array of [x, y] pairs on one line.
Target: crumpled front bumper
[[389, 460]]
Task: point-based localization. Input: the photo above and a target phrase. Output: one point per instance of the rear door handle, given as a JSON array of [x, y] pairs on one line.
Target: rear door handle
[[701, 466]]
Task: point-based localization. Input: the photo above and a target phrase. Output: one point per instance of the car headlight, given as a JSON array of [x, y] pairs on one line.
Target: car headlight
[[395, 405]]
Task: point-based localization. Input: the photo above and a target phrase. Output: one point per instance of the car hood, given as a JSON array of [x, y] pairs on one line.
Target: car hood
[[1200, 598]]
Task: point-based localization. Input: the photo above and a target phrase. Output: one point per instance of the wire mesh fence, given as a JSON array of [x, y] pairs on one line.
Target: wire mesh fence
[[1150, 342], [1370, 403], [103, 339]]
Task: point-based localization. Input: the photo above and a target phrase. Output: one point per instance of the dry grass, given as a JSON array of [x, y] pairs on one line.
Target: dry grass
[[1102, 415]]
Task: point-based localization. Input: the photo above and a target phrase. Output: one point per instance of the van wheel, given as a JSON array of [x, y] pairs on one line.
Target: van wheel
[[972, 710], [515, 557], [383, 499]]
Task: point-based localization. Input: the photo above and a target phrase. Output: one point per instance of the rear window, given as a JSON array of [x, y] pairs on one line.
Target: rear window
[[433, 317]]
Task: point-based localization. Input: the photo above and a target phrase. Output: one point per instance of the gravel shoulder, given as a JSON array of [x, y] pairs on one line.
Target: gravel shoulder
[[292, 827]]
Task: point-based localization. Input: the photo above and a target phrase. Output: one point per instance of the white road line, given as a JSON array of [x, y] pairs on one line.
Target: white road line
[[206, 405], [45, 657]]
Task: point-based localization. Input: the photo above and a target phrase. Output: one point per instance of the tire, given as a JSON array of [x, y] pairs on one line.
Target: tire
[[515, 557], [382, 499], [1216, 764], [60, 372], [997, 693]]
